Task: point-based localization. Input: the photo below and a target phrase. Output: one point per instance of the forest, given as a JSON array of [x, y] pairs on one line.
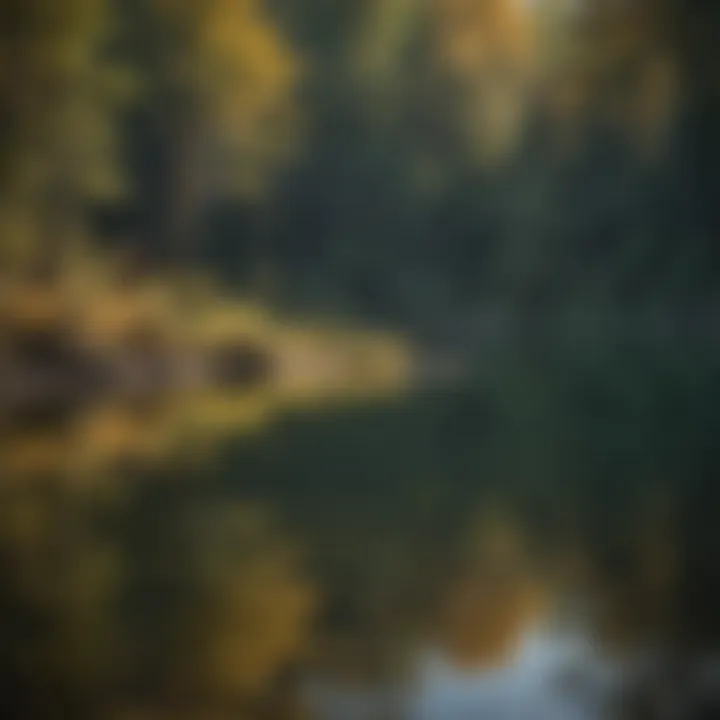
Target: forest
[[312, 200], [427, 163]]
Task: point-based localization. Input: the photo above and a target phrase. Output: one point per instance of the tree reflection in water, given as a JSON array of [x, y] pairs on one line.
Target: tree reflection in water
[[441, 542]]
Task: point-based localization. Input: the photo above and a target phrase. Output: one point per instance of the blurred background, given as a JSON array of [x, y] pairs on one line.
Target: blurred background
[[358, 359]]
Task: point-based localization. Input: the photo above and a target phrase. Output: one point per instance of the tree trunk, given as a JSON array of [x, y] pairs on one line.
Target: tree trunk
[[186, 193]]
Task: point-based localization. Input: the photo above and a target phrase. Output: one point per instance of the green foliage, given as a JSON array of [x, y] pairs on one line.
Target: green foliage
[[454, 154], [59, 96], [219, 112]]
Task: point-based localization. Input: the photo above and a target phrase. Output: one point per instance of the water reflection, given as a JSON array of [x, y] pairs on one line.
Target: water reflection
[[537, 543], [161, 603]]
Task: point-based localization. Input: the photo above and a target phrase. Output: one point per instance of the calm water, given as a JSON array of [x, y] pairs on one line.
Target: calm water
[[529, 544]]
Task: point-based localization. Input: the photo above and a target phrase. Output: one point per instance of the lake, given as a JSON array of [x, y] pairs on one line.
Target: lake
[[536, 540]]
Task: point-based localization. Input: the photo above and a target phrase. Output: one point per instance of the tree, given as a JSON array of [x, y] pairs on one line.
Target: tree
[[59, 93], [220, 105]]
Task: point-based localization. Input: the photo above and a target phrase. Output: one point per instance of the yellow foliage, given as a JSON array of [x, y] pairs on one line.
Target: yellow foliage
[[489, 50], [258, 608], [59, 106], [503, 61], [237, 77], [494, 599]]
